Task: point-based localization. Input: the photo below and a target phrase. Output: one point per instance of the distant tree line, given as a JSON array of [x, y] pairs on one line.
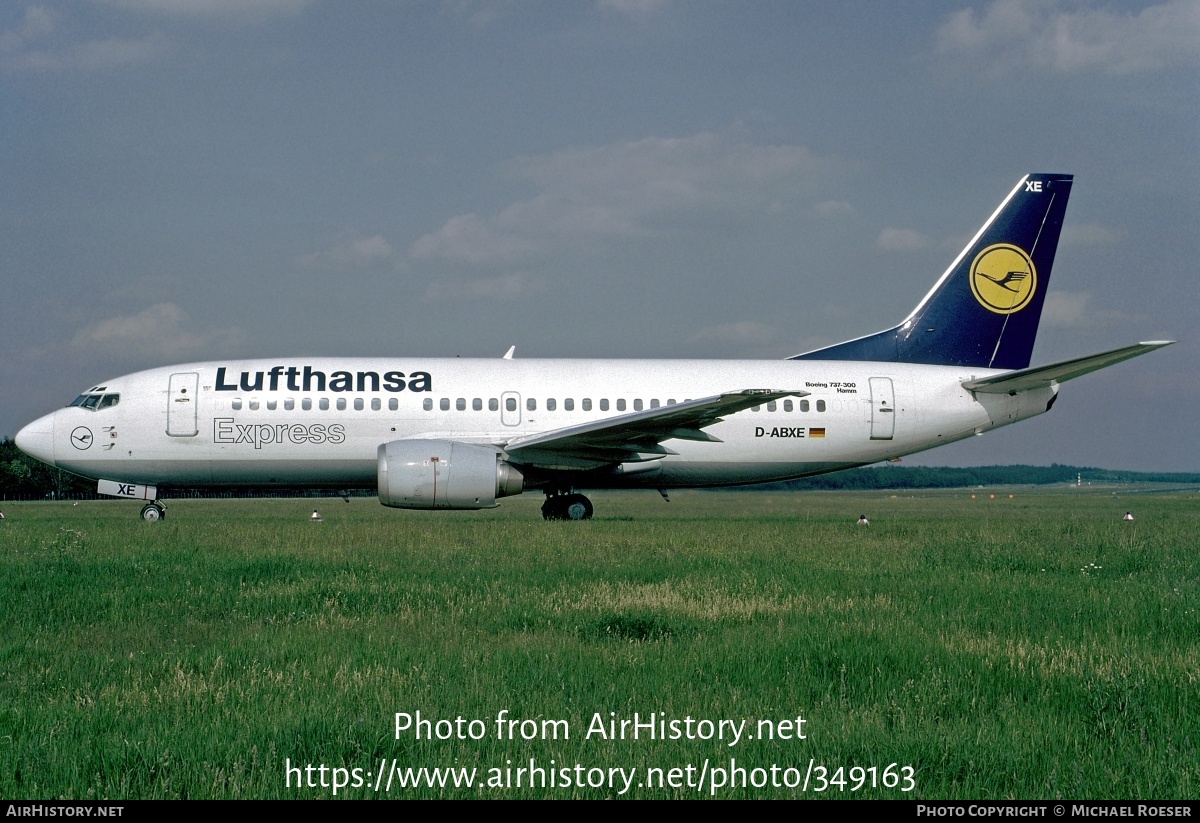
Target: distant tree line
[[936, 477], [23, 478]]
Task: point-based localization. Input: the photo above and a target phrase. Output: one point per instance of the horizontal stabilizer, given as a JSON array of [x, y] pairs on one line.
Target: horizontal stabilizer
[[1043, 376]]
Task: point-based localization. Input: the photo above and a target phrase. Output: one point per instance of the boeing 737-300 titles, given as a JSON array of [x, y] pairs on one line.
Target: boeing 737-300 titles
[[432, 433]]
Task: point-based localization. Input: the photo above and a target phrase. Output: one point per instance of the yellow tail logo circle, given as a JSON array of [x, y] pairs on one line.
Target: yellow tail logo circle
[[1003, 278]]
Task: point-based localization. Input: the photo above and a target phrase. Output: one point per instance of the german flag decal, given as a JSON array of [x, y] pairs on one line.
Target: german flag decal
[[816, 432]]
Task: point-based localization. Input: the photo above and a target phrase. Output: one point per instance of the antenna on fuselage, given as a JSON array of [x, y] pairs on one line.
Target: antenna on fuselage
[[508, 355]]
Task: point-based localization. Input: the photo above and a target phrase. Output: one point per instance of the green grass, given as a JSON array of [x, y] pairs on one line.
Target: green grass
[[1034, 647]]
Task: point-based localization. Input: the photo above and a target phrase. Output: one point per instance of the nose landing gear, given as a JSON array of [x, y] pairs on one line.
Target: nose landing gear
[[566, 506], [153, 512]]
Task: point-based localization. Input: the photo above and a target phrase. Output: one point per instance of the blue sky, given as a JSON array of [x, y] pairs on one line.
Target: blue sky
[[209, 179]]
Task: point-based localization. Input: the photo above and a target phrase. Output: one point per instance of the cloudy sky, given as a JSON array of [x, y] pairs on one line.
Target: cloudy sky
[[201, 179]]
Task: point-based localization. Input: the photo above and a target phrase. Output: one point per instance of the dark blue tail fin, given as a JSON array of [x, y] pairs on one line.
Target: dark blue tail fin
[[984, 310]]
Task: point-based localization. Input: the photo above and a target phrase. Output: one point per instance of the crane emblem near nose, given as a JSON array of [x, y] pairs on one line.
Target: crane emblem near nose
[[81, 438]]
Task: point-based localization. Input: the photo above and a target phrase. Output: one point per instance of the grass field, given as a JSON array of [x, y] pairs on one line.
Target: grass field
[[1032, 647]]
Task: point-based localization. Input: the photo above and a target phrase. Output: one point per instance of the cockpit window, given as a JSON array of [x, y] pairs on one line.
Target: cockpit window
[[95, 401]]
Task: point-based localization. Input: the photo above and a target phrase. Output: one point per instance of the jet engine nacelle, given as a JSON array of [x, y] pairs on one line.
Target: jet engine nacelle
[[443, 474]]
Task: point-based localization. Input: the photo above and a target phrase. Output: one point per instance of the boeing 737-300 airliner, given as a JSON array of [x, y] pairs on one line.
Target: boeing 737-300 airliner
[[461, 433]]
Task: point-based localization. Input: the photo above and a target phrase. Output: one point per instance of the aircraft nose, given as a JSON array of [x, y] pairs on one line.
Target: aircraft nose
[[37, 439]]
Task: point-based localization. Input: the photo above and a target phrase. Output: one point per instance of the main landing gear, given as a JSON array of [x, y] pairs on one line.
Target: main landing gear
[[566, 506], [153, 512]]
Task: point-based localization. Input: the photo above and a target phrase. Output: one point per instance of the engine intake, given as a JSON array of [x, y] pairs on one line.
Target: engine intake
[[443, 474]]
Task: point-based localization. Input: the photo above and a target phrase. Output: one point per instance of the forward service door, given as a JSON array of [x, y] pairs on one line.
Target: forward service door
[[181, 405]]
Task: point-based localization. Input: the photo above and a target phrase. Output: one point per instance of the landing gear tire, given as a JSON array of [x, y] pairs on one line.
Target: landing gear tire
[[576, 507], [152, 512], [567, 507]]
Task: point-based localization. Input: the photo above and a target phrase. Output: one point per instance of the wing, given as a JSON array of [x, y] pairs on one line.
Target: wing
[[1043, 376], [636, 437]]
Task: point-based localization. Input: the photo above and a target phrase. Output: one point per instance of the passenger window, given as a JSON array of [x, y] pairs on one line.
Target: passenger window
[[787, 405], [427, 404], [358, 404], [341, 404], [621, 404], [820, 405], [671, 402], [803, 405], [550, 404], [376, 404], [510, 403], [637, 404], [569, 404], [494, 404], [236, 404], [531, 404], [654, 404], [324, 404], [253, 405], [756, 408], [393, 404], [604, 404], [444, 404], [289, 404], [306, 404], [271, 405], [771, 406], [476, 405], [461, 404], [587, 404]]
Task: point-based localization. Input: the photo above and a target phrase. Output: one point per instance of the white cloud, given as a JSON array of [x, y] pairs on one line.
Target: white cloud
[[354, 252], [479, 12], [833, 208], [742, 331], [162, 328], [623, 190], [506, 287], [471, 239], [1088, 234], [23, 49], [250, 11], [1065, 309], [1011, 34], [633, 8], [1074, 309], [38, 23], [901, 240]]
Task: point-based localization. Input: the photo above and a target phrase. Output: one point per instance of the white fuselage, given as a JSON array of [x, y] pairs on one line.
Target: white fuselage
[[273, 423]]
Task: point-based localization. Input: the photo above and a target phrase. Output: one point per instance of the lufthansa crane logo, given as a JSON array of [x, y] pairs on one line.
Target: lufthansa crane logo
[[81, 438], [1003, 279]]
